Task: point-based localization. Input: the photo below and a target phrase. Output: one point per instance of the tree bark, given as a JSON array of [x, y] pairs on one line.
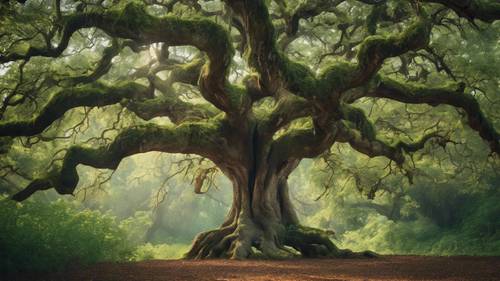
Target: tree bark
[[262, 222]]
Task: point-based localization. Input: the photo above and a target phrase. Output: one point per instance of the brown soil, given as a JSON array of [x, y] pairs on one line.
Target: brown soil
[[383, 268]]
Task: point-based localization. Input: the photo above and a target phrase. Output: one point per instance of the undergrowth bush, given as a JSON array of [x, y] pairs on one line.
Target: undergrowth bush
[[477, 233], [47, 236], [150, 251]]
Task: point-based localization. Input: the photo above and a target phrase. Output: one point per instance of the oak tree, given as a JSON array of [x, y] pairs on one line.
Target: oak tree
[[240, 98]]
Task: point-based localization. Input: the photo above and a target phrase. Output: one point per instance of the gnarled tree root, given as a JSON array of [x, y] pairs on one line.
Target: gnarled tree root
[[315, 243], [247, 240]]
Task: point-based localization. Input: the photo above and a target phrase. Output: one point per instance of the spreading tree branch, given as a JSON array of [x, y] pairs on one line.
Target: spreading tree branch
[[191, 138], [372, 146], [453, 95], [485, 10], [276, 70], [134, 23], [95, 94]]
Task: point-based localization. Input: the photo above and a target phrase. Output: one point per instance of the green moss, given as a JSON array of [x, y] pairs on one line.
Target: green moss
[[197, 134], [416, 90], [134, 16], [299, 128], [265, 108], [202, 33], [96, 94], [238, 97], [299, 78], [336, 77], [358, 118], [307, 240], [193, 65], [375, 49]]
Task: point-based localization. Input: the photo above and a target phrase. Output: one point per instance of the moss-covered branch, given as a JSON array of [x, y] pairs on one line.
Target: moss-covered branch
[[372, 53], [172, 107], [485, 10], [289, 107], [168, 103], [276, 70], [48, 51], [134, 23], [305, 10], [448, 95], [354, 128], [372, 146], [103, 65], [323, 91], [190, 138], [359, 132], [96, 94], [307, 141]]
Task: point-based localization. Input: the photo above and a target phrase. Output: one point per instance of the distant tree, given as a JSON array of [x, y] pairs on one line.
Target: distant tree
[[242, 99]]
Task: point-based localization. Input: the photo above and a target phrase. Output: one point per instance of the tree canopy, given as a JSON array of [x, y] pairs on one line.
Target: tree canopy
[[252, 86]]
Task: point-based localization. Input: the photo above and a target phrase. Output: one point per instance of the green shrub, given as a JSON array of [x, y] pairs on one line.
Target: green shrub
[[478, 232], [149, 251], [48, 236]]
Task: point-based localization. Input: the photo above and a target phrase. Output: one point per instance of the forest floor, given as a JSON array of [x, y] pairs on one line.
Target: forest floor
[[382, 268]]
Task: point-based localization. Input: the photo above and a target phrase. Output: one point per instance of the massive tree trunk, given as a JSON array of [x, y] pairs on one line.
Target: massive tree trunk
[[262, 222]]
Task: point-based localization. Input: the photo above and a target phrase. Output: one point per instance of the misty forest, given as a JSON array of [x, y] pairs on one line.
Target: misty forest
[[247, 129]]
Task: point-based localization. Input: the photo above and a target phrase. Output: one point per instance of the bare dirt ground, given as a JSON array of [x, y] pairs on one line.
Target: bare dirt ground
[[382, 268]]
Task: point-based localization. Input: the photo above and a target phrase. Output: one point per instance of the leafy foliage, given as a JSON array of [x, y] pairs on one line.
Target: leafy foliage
[[476, 233], [36, 235], [451, 214], [150, 251]]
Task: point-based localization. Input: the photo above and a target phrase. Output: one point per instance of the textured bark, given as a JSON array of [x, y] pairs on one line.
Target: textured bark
[[262, 222]]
